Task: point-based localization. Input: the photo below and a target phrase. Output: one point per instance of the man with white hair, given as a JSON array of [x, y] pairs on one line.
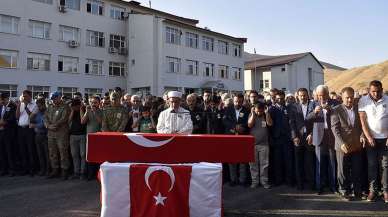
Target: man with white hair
[[175, 119], [323, 138], [134, 113]]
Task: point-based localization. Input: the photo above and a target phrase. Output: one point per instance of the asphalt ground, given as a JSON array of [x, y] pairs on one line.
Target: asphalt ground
[[24, 196]]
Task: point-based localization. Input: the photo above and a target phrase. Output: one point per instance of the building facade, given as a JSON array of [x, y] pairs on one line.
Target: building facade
[[287, 72], [93, 46]]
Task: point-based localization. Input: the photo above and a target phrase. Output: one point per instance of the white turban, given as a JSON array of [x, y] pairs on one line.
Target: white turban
[[174, 94]]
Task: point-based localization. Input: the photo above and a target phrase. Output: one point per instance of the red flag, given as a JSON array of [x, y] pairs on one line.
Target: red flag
[[159, 191]]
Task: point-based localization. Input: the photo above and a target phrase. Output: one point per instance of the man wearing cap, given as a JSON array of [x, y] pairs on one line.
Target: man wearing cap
[[7, 129], [175, 119], [115, 117], [56, 122]]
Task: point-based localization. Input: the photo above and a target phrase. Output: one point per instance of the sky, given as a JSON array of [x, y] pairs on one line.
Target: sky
[[347, 33]]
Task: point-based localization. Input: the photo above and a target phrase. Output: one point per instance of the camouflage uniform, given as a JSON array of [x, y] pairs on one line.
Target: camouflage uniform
[[114, 119], [58, 140]]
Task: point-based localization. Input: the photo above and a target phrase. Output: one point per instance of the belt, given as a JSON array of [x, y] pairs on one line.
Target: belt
[[26, 126]]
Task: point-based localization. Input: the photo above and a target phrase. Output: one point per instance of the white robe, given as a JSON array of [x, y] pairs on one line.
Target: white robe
[[175, 123]]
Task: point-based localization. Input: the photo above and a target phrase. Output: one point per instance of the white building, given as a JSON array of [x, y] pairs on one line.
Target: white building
[[286, 72], [93, 46]]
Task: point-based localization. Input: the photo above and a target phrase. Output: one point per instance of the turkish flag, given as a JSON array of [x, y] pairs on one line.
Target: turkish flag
[[159, 190]]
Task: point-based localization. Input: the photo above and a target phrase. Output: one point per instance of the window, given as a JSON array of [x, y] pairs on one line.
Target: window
[[173, 36], [141, 91], [11, 89], [236, 73], [236, 50], [36, 90], [207, 43], [68, 91], [223, 71], [8, 58], [93, 91], [266, 83], [45, 1], [310, 78], [95, 39], [9, 24], [68, 64], [117, 69], [223, 47], [39, 29], [173, 64], [192, 67], [67, 33], [191, 40], [117, 41], [95, 7], [208, 70], [38, 62], [72, 4], [93, 67], [116, 12]]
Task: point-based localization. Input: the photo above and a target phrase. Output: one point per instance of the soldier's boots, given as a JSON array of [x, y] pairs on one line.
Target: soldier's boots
[[65, 174], [54, 174]]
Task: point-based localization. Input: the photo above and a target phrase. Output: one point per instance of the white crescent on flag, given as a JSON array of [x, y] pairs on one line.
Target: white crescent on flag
[[144, 142], [165, 169]]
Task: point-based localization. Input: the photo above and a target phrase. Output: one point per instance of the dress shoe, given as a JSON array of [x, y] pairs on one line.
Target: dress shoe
[[54, 174], [371, 197], [65, 174], [385, 197], [233, 183], [267, 186]]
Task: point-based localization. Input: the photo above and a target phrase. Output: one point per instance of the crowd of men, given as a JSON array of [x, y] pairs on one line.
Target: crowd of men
[[324, 142]]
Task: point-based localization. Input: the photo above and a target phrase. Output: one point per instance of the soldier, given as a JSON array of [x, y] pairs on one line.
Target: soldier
[[115, 117], [55, 120]]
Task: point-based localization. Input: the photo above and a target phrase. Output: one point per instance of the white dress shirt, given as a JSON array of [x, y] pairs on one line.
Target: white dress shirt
[[351, 116], [237, 113], [24, 118]]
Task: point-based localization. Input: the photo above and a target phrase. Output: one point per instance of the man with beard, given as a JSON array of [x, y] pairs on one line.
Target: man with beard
[[236, 123]]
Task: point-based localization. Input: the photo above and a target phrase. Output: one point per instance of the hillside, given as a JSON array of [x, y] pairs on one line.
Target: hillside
[[358, 77]]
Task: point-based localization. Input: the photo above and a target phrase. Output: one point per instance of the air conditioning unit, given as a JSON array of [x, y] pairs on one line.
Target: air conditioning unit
[[73, 43], [62, 8], [123, 51], [124, 15], [112, 50]]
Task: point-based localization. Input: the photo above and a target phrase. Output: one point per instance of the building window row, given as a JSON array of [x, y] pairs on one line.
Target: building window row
[[174, 35], [66, 64], [173, 65], [11, 89], [41, 29]]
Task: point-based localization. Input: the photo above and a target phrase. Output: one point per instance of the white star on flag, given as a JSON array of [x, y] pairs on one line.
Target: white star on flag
[[160, 199]]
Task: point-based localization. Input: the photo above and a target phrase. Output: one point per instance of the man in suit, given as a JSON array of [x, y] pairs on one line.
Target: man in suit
[[304, 153], [323, 139], [282, 158], [197, 114], [7, 129], [236, 123], [346, 127]]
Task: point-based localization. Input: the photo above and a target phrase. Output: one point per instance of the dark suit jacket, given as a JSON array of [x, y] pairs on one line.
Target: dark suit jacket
[[344, 133], [230, 120], [280, 128], [9, 116], [298, 122]]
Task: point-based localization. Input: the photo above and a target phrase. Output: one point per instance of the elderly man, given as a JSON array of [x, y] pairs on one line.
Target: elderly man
[[323, 138], [197, 114], [175, 119], [374, 119]]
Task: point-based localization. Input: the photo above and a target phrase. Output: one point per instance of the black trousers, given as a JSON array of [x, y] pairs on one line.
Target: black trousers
[[27, 148], [283, 161], [304, 163], [349, 172], [378, 166], [7, 161]]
